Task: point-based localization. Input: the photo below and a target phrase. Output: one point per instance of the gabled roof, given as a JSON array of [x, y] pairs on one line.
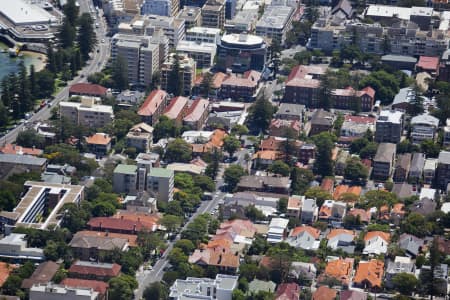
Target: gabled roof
[[352, 295], [98, 286], [142, 127], [314, 232], [287, 291], [340, 269], [15, 149], [371, 271], [43, 274], [5, 270], [324, 293], [428, 63], [345, 6], [364, 215], [106, 243], [410, 243], [371, 234], [131, 238], [338, 231], [176, 106], [196, 110], [249, 79], [95, 269], [99, 139], [152, 102], [88, 89]]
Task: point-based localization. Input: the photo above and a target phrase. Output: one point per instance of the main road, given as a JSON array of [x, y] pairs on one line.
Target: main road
[[145, 278], [98, 59]]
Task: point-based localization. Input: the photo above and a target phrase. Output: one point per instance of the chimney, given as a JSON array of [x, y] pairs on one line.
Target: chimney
[[134, 228]]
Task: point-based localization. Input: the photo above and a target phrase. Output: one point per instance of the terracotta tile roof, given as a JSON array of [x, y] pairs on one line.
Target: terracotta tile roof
[[429, 63], [215, 257], [325, 211], [287, 291], [337, 231], [367, 90], [324, 293], [175, 107], [398, 208], [340, 269], [370, 272], [294, 203], [15, 149], [371, 234], [342, 189], [242, 227], [98, 286], [98, 270], [109, 223], [99, 139], [267, 154], [360, 119], [327, 185], [217, 138], [249, 79], [300, 76], [131, 238], [314, 232], [364, 216], [152, 102], [5, 270], [196, 110], [43, 274], [279, 123], [220, 244], [88, 89], [218, 79], [276, 143], [199, 162], [356, 190]]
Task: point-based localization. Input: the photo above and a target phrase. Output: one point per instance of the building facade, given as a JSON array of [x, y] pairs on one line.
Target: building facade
[[187, 67]]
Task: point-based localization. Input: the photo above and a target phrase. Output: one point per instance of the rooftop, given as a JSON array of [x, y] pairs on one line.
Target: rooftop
[[428, 63], [390, 116], [98, 286], [44, 273], [152, 102], [242, 39], [176, 106], [196, 110], [161, 172], [99, 139], [275, 17], [20, 159], [126, 169], [88, 89], [22, 12], [385, 152], [95, 268]]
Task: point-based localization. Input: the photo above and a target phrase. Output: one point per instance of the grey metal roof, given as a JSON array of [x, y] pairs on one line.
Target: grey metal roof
[[22, 159], [444, 157], [385, 152]]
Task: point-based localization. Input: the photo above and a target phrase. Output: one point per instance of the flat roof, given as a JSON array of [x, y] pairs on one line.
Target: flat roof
[[161, 172], [192, 46], [125, 169], [275, 17], [20, 12], [242, 39]]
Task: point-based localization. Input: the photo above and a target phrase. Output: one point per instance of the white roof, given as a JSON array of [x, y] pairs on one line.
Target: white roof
[[203, 30], [20, 12], [427, 193], [446, 207], [279, 222], [390, 116], [242, 39], [192, 46], [425, 119]]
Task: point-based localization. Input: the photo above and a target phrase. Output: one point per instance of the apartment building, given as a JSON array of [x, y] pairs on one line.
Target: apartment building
[[203, 53], [243, 21], [153, 106], [51, 291], [245, 86], [203, 34], [275, 22], [191, 15], [187, 71], [303, 85], [443, 170], [351, 99], [125, 179], [141, 55], [168, 8], [118, 11], [140, 137], [389, 126], [197, 114], [160, 181], [87, 113], [202, 288], [424, 127], [213, 14], [177, 109], [383, 162]]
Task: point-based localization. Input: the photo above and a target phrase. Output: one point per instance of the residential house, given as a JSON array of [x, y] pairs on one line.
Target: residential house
[[389, 126], [277, 230], [88, 247], [11, 163], [197, 114], [282, 128], [401, 264], [324, 293], [426, 204], [443, 169], [364, 216], [376, 242], [355, 127], [256, 286], [351, 99], [287, 291], [341, 162], [352, 295], [304, 237], [303, 85], [243, 87], [289, 111], [153, 107], [302, 270], [398, 212], [199, 288], [94, 270], [309, 212], [99, 144], [294, 206], [429, 170], [440, 278], [383, 162], [402, 167], [221, 258], [332, 211], [41, 275], [321, 121], [403, 99], [266, 203], [265, 158], [429, 64], [416, 169], [327, 185], [140, 137], [341, 239], [424, 127], [342, 190], [51, 291], [402, 190], [16, 149], [340, 269], [265, 184], [87, 89], [87, 113], [177, 109], [98, 286], [369, 274], [5, 270], [123, 224]]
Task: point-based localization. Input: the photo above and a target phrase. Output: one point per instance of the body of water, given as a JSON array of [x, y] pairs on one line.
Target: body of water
[[11, 64]]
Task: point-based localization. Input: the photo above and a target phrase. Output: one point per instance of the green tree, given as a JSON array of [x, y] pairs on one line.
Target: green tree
[[174, 79], [32, 80], [178, 150], [122, 287], [206, 84], [318, 194], [279, 167], [120, 73], [45, 83], [300, 180], [324, 164], [415, 224], [355, 170], [231, 144], [232, 176], [205, 183], [156, 291], [369, 151], [185, 245], [170, 222], [86, 35], [239, 130], [260, 114], [29, 138], [67, 33], [385, 84], [430, 148], [282, 205], [254, 214], [165, 128], [71, 11]]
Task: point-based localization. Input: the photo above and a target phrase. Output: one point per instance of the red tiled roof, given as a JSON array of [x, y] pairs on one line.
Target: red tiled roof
[[176, 106], [364, 216], [152, 102], [371, 234], [287, 291], [99, 139], [98, 271], [327, 184], [98, 286], [14, 149], [276, 144], [324, 293], [108, 223], [249, 79], [367, 90], [88, 89], [196, 110], [314, 232], [5, 270], [359, 119], [371, 271], [298, 76], [338, 231], [340, 269], [430, 63]]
